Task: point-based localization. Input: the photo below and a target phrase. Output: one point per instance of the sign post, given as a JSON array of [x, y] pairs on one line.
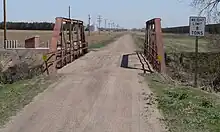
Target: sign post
[[197, 29], [44, 57], [5, 23]]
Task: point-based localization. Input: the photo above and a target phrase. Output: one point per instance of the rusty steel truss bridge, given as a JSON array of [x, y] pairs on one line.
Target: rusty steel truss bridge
[[153, 45], [68, 43]]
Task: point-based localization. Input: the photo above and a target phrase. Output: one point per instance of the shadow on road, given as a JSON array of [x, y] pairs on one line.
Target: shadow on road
[[125, 62]]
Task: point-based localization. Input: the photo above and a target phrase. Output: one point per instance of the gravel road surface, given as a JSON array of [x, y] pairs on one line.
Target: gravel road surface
[[94, 95]]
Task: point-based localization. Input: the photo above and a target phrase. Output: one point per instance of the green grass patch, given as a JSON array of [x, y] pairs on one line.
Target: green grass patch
[[139, 41], [186, 109], [103, 43], [96, 45], [183, 43], [14, 97], [178, 43]]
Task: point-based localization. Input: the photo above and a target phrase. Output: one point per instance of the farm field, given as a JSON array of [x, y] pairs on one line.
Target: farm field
[[182, 42], [21, 35], [95, 40]]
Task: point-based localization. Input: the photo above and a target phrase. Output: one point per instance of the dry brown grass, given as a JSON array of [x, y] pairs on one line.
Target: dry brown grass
[[31, 58], [21, 35], [103, 36]]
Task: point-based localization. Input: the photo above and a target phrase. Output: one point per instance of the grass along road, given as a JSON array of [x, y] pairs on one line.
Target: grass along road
[[186, 109], [104, 42], [13, 97], [183, 43]]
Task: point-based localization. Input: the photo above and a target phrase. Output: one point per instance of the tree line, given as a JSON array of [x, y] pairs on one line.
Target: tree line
[[210, 28], [35, 26], [27, 25]]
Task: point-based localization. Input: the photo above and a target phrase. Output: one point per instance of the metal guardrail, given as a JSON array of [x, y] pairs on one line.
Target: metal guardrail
[[11, 44]]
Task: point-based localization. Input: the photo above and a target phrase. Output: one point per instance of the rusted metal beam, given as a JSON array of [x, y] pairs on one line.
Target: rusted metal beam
[[62, 47], [153, 46], [160, 45]]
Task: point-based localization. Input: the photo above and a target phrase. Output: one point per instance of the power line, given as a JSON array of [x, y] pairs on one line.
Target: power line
[[89, 25], [70, 26], [99, 21], [105, 23], [69, 12], [109, 27], [117, 27], [112, 24]]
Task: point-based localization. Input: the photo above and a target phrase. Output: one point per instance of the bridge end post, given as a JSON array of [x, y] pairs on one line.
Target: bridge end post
[[154, 47], [160, 45]]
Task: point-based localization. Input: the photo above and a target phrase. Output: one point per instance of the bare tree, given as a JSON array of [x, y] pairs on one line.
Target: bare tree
[[211, 9], [208, 7]]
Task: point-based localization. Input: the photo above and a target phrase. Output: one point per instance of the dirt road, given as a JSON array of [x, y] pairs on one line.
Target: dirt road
[[95, 95]]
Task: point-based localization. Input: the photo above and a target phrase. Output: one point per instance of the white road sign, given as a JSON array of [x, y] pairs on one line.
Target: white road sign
[[197, 26]]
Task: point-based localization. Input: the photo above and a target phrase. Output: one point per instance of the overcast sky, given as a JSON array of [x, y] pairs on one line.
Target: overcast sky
[[126, 13]]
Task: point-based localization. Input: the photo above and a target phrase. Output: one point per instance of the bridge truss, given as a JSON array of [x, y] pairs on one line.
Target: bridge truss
[[67, 44], [153, 46]]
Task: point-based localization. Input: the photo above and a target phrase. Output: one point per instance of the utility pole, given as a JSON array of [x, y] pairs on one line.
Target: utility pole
[[109, 27], [5, 26], [113, 26], [69, 12], [117, 27], [70, 28], [99, 20], [89, 25], [196, 63], [105, 23]]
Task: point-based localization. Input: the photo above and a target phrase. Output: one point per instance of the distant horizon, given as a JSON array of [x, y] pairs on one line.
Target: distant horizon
[[87, 23], [128, 14], [84, 22], [101, 27]]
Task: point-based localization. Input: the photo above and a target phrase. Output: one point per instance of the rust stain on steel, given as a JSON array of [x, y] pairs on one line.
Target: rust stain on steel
[[61, 49], [153, 47]]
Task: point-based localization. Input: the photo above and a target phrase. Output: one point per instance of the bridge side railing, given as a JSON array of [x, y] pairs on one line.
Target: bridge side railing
[[153, 45], [68, 43]]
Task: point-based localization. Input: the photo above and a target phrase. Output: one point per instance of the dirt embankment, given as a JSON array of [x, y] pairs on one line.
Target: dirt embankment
[[181, 66]]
